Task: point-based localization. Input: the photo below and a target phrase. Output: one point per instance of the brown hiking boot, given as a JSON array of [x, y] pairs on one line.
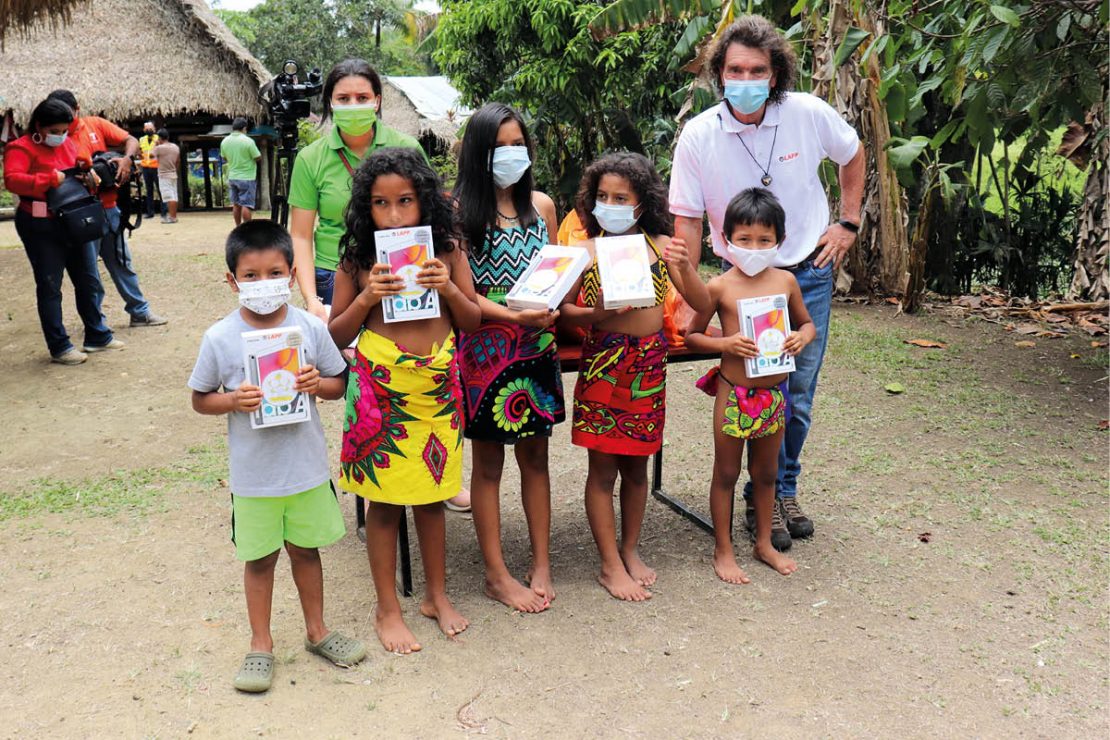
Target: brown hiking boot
[[780, 534], [798, 524]]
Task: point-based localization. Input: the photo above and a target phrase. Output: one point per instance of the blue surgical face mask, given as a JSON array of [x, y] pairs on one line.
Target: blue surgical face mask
[[615, 219], [747, 96], [55, 140], [509, 165]]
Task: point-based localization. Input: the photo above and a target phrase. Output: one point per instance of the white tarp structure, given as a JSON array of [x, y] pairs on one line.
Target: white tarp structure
[[434, 98]]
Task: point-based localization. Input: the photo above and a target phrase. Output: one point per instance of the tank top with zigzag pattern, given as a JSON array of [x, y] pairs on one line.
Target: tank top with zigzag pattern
[[504, 258]]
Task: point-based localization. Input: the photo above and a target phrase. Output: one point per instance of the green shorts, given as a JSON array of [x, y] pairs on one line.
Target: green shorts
[[260, 525]]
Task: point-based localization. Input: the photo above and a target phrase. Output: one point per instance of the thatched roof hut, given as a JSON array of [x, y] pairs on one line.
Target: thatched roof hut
[[20, 15], [134, 59]]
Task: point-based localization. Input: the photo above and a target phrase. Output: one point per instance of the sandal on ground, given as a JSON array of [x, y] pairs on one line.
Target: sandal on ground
[[256, 674], [339, 649], [459, 502]]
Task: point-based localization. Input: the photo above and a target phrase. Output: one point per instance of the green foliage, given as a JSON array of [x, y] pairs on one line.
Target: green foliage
[[581, 96], [319, 33]]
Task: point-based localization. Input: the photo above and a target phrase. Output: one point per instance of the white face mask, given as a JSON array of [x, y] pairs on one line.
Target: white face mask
[[615, 219], [263, 297], [751, 261], [509, 165]]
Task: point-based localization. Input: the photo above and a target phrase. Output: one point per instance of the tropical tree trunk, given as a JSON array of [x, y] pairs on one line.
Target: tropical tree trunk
[[878, 263], [1092, 246]]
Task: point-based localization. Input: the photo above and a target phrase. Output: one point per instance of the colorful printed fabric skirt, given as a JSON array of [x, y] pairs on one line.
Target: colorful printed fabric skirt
[[512, 383], [620, 399], [750, 413], [401, 434]]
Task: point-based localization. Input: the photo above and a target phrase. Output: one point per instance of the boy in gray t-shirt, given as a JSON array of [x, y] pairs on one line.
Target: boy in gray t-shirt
[[281, 490]]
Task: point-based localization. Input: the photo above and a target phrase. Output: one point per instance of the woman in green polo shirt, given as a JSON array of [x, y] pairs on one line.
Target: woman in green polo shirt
[[321, 182]]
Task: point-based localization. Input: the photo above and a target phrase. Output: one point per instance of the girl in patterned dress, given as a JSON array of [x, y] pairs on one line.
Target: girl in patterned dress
[[620, 396], [512, 385], [401, 436]]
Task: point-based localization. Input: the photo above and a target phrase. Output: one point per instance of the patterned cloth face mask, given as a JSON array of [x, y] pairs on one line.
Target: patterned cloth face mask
[[263, 297]]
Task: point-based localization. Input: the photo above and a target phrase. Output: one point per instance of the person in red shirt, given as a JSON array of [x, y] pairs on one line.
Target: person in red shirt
[[92, 135], [33, 164]]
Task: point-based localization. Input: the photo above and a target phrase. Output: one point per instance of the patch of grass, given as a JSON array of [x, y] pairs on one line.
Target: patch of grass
[[131, 491]]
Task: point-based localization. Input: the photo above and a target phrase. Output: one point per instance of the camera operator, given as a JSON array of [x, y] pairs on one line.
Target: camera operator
[[321, 181], [92, 135], [34, 165]]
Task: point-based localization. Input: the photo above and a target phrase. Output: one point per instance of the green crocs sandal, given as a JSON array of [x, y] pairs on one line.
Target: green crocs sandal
[[338, 648], [256, 674]]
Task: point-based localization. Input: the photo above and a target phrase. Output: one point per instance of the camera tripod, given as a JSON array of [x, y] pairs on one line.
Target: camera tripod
[[283, 174]]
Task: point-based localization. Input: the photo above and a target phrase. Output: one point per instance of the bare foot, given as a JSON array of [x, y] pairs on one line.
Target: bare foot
[[621, 586], [638, 569], [515, 595], [539, 579], [443, 611], [774, 558], [394, 634], [724, 565]]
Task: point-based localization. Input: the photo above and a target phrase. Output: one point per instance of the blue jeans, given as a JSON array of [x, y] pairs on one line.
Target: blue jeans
[[117, 258], [325, 285], [51, 254], [817, 289]]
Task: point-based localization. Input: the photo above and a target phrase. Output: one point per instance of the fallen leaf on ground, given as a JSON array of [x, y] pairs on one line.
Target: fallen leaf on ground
[[1050, 334], [1104, 425], [1025, 343], [894, 388], [927, 343], [1026, 329], [925, 536], [1096, 344], [1055, 318], [1074, 356], [893, 301]]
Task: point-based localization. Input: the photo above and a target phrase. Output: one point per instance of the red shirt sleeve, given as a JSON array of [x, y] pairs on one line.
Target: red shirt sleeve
[[110, 133], [22, 176]]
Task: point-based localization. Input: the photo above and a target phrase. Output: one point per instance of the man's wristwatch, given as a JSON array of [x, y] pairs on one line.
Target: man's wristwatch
[[849, 225]]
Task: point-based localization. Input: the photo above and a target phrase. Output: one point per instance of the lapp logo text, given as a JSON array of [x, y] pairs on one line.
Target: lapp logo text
[[790, 156]]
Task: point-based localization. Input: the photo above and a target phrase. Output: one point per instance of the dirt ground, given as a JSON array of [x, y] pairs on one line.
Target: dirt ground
[[956, 585]]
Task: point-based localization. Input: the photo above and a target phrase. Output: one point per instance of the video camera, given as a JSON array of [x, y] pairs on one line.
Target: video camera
[[130, 198], [288, 98]]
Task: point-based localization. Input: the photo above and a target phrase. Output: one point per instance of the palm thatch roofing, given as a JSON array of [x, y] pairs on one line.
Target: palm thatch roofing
[[21, 15], [129, 59]]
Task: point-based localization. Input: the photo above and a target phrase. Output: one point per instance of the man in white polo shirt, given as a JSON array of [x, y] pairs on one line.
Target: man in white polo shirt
[[763, 135]]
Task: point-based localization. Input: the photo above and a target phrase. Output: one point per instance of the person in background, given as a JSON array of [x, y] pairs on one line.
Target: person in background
[[321, 180], [168, 155], [93, 135], [33, 164], [242, 155], [149, 165]]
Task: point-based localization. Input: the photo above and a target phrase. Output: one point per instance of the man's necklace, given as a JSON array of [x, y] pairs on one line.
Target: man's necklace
[[766, 179]]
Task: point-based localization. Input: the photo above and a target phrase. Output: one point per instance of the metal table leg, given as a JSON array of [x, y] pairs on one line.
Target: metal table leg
[[677, 506], [403, 546]]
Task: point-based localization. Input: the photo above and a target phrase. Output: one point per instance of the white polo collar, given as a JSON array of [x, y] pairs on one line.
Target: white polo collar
[[728, 123]]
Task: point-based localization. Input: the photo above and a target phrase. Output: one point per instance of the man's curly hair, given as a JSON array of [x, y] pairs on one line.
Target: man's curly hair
[[757, 32], [356, 248], [655, 217]]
